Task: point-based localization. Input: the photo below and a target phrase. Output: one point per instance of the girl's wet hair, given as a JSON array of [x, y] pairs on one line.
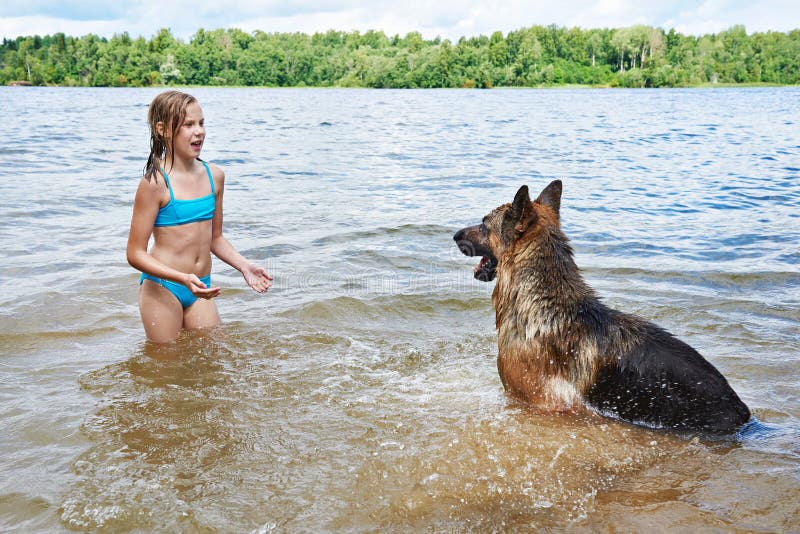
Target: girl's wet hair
[[168, 108]]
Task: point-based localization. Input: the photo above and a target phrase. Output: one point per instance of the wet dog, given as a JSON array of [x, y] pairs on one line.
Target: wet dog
[[560, 347]]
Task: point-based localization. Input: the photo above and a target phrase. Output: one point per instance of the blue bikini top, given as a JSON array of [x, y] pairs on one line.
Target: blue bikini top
[[178, 211]]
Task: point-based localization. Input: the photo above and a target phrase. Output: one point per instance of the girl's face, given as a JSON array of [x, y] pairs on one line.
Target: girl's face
[[190, 134]]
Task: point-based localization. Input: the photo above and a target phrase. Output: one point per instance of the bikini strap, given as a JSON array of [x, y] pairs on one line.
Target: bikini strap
[[208, 171], [169, 186]]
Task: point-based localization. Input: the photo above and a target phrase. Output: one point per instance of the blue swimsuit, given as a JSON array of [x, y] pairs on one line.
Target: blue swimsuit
[[177, 212]]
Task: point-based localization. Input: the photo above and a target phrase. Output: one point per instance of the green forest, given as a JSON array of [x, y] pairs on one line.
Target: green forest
[[636, 56]]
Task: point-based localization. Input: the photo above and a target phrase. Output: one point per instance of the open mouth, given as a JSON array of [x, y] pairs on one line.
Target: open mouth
[[486, 270], [471, 245], [197, 145]]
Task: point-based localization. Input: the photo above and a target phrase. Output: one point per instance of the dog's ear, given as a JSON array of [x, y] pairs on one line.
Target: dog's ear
[[551, 196], [522, 200], [520, 216]]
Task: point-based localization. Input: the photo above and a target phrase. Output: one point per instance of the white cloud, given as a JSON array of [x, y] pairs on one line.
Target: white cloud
[[615, 14], [11, 27], [446, 18]]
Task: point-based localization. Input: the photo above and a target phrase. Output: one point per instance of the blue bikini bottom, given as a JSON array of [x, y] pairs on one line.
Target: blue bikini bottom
[[181, 292]]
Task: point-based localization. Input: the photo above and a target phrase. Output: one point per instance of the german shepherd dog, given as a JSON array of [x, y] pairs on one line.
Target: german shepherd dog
[[560, 347]]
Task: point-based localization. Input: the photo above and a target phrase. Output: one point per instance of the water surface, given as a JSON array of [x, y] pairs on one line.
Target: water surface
[[361, 393]]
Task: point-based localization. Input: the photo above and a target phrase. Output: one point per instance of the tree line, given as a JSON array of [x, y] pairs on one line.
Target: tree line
[[636, 56]]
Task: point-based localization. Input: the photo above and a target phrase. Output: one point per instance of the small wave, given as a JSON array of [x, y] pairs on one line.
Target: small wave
[[14, 151], [714, 279], [348, 308], [397, 157], [298, 173], [18, 339], [382, 232], [758, 430], [335, 308], [44, 213], [273, 251]]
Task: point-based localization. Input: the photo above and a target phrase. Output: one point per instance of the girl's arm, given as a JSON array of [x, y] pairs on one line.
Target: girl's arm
[[145, 209], [255, 275]]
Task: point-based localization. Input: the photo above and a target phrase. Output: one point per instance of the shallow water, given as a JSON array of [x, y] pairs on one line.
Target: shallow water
[[361, 393]]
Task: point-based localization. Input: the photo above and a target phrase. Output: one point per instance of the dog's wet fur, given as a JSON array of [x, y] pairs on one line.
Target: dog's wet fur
[[561, 349]]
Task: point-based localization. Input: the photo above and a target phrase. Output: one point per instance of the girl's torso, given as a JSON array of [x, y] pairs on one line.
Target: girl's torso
[[182, 229]]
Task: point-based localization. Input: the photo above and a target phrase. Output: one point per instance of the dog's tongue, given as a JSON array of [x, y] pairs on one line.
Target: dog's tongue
[[483, 262]]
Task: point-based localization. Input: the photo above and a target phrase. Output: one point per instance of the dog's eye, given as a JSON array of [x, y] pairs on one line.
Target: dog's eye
[[484, 230]]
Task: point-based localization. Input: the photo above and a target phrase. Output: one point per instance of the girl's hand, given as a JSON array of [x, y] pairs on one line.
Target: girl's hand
[[257, 277], [199, 289]]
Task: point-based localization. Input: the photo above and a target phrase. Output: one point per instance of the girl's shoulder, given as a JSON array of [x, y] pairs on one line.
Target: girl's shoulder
[[216, 170], [154, 185], [152, 190], [216, 173]]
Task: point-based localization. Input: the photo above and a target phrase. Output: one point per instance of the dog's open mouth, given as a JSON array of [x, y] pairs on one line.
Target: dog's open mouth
[[486, 270], [472, 242]]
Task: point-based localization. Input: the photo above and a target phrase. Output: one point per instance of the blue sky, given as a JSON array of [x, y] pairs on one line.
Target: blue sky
[[445, 18]]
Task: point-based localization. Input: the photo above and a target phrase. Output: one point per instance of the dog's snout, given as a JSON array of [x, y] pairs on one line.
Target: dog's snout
[[466, 248], [465, 245]]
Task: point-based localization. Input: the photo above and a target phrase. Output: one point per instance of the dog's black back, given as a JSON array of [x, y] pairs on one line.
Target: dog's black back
[[662, 381]]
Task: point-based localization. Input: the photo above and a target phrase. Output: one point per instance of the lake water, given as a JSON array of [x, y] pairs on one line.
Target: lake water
[[361, 393]]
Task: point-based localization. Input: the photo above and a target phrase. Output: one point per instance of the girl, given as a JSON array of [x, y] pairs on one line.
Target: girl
[[179, 203]]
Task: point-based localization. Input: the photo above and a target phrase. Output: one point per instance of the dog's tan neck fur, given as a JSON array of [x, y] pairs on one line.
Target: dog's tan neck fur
[[539, 298]]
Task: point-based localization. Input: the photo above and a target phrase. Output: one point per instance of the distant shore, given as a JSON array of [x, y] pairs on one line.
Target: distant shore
[[499, 88], [537, 56]]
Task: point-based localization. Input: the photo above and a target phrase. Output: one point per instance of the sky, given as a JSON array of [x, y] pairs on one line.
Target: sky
[[448, 19]]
